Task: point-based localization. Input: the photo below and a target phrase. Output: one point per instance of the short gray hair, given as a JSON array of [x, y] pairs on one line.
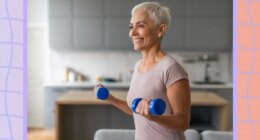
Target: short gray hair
[[159, 14]]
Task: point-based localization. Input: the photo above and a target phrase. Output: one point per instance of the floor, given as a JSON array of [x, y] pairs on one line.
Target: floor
[[41, 134]]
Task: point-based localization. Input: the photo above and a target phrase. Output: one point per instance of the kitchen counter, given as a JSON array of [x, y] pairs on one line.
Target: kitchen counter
[[80, 107], [54, 90], [87, 85], [125, 85]]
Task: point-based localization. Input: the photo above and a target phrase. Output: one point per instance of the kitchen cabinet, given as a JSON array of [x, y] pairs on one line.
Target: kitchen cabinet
[[208, 33], [50, 95], [116, 33], [88, 33], [60, 33], [103, 25]]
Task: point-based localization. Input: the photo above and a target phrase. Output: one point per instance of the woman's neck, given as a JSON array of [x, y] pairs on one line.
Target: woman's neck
[[152, 56]]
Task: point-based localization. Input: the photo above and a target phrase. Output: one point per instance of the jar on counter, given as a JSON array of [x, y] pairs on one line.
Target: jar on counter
[[70, 75]]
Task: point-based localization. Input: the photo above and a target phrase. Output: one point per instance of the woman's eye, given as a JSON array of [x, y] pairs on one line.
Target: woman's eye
[[130, 27], [141, 26]]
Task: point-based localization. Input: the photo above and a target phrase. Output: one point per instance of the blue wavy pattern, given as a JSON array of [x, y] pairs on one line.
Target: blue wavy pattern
[[248, 82], [250, 73], [8, 128]]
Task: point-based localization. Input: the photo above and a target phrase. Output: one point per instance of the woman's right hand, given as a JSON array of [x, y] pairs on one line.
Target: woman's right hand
[[101, 92]]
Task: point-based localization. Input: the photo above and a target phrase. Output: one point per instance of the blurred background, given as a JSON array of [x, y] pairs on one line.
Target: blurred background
[[74, 44]]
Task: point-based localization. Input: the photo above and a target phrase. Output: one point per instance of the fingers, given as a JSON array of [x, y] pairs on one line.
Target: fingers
[[143, 107]]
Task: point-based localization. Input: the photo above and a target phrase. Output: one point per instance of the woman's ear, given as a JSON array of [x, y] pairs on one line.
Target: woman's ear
[[162, 29]]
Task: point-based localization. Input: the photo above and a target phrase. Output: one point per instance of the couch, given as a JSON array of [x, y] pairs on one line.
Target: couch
[[190, 134]]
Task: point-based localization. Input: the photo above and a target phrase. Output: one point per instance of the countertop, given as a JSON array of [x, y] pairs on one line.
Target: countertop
[[197, 99], [125, 85], [88, 97]]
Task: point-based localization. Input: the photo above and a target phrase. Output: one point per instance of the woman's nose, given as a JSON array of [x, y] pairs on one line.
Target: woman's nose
[[133, 32]]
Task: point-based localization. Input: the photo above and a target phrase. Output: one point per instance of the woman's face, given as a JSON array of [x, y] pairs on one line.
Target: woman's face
[[143, 32]]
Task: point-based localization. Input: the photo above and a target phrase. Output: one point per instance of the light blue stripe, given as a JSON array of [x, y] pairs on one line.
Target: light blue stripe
[[249, 121], [11, 91], [8, 70], [235, 68], [248, 73], [250, 97], [10, 43], [25, 69], [248, 24], [249, 49], [11, 116], [11, 67], [11, 18]]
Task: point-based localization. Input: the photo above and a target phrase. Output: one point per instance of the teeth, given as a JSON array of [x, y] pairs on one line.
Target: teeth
[[136, 39]]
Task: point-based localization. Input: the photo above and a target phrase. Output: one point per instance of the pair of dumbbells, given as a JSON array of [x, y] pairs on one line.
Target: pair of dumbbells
[[156, 106]]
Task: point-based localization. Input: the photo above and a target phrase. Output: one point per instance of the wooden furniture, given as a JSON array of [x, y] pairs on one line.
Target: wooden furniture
[[79, 114], [212, 100], [88, 99]]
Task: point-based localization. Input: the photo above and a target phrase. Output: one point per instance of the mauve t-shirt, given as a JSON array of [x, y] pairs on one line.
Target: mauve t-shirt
[[153, 84]]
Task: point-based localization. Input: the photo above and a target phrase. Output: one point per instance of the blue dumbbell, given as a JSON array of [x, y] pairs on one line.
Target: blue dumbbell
[[102, 93], [156, 106]]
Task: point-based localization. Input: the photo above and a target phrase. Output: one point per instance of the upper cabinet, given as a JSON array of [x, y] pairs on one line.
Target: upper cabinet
[[201, 25]]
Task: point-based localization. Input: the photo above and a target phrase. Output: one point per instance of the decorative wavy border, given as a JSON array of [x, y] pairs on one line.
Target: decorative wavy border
[[13, 67], [246, 51]]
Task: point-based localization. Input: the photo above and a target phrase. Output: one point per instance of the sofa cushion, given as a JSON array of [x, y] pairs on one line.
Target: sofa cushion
[[129, 134], [216, 135], [192, 134], [114, 134]]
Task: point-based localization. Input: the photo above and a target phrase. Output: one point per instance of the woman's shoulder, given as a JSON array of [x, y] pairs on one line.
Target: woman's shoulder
[[171, 65], [170, 61]]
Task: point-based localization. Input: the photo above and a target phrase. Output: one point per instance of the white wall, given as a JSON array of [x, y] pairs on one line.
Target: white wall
[[37, 59], [93, 64]]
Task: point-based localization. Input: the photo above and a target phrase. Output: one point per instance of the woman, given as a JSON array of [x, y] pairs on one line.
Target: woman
[[156, 75]]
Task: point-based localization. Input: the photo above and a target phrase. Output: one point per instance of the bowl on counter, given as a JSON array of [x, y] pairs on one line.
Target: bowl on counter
[[208, 83]]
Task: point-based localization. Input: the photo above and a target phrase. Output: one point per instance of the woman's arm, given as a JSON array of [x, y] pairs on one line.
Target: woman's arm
[[122, 105], [179, 98]]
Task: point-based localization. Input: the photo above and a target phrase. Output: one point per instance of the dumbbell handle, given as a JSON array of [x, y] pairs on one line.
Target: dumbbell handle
[[102, 93], [156, 106]]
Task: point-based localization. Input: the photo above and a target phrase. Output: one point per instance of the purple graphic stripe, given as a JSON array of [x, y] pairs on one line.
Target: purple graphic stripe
[[249, 121], [8, 139], [11, 18], [248, 24], [248, 49], [11, 67], [8, 70], [25, 69], [235, 69], [249, 97], [11, 91], [14, 43], [249, 73], [11, 116]]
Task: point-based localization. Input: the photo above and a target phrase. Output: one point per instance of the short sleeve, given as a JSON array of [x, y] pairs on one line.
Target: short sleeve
[[174, 73]]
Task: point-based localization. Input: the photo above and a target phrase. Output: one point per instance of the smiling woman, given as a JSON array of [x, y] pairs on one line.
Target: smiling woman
[[156, 75], [145, 28]]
